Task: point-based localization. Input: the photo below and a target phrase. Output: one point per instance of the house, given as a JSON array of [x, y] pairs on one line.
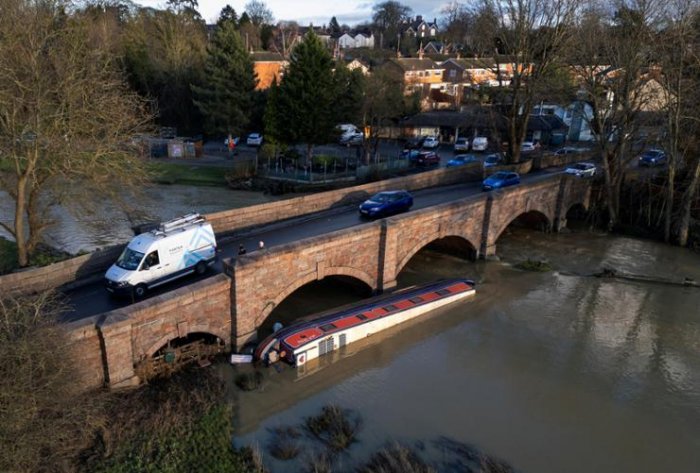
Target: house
[[420, 28], [358, 64], [358, 40], [419, 74], [268, 67], [469, 71], [434, 47], [576, 116]]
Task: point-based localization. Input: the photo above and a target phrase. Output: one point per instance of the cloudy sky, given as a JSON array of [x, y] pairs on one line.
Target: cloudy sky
[[318, 12]]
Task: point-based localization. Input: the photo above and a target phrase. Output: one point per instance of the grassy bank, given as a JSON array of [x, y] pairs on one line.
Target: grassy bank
[[43, 256], [194, 174]]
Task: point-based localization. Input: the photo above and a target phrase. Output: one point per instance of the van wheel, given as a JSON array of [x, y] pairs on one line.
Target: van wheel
[[200, 268], [140, 291]]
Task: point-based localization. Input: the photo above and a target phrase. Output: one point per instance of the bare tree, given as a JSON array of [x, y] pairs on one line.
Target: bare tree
[[259, 13], [530, 39], [612, 58], [65, 116]]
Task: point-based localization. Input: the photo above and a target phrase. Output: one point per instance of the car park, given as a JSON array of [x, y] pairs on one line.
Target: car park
[[431, 142], [462, 159], [386, 203], [461, 144], [499, 180], [493, 160], [427, 158], [254, 139], [480, 143], [582, 170], [652, 158]]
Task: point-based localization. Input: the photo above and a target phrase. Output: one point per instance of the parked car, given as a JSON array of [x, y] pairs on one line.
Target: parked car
[[499, 180], [480, 143], [461, 144], [527, 147], [652, 158], [349, 134], [386, 203], [493, 160], [431, 142], [254, 139], [414, 142], [461, 159], [410, 154], [567, 150], [427, 158], [582, 170]]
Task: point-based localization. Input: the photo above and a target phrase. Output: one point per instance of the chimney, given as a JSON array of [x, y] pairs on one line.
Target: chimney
[[420, 51], [419, 18]]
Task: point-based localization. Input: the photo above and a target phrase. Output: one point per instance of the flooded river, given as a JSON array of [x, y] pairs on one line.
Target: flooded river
[[549, 372], [107, 223]]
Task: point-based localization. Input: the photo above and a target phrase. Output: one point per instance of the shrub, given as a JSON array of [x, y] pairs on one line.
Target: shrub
[[337, 428]]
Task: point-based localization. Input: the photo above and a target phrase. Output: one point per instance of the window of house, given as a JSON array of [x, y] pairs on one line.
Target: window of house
[[432, 31], [453, 73]]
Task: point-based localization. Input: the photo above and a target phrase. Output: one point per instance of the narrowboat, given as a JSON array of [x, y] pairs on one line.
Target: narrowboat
[[317, 336]]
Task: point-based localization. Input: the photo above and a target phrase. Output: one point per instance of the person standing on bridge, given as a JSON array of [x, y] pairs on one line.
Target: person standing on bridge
[[261, 245]]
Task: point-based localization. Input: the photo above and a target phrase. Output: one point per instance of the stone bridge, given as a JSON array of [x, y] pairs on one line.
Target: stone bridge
[[233, 306]]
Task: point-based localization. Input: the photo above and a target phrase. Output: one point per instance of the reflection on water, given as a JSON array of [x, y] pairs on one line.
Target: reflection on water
[[107, 223], [548, 371]]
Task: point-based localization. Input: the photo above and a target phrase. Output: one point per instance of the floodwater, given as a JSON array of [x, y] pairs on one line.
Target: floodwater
[[104, 223], [549, 372]]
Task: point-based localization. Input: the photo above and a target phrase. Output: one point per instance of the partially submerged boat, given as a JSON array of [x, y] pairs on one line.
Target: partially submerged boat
[[310, 339]]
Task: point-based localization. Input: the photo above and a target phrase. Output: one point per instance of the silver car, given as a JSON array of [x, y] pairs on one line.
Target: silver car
[[582, 170]]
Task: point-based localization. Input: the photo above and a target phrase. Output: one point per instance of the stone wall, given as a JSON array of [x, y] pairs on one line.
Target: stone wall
[[115, 342], [86, 268], [238, 219]]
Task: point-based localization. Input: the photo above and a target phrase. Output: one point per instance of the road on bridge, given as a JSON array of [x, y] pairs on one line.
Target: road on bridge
[[93, 299]]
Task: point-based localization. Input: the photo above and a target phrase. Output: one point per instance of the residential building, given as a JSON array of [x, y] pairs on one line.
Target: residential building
[[358, 64], [420, 28], [356, 40], [268, 67]]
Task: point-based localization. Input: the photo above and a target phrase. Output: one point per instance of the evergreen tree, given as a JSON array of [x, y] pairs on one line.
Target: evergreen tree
[[245, 19], [306, 97], [227, 14], [334, 27], [225, 97], [348, 93]]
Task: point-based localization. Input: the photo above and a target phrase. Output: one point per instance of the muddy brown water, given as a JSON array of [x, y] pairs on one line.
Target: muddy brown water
[[550, 372]]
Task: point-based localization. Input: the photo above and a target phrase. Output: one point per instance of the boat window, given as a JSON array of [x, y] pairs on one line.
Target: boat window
[[389, 308], [416, 300], [362, 316], [442, 292], [327, 327]]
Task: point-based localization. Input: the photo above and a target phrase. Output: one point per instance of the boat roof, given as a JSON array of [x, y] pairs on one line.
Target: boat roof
[[300, 334]]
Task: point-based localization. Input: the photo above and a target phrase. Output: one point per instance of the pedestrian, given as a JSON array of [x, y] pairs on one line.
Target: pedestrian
[[241, 250], [261, 245]]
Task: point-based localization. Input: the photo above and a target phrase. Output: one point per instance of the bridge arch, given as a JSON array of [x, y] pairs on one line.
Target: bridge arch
[[533, 215], [347, 271], [205, 329], [460, 240]]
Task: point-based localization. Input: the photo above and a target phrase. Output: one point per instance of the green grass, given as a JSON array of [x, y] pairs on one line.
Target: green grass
[[8, 257], [172, 173], [203, 445]]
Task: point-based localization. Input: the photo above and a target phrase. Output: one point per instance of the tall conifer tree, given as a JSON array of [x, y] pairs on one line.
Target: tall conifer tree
[[226, 95]]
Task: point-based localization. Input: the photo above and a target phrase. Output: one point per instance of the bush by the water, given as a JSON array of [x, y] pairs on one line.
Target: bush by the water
[[534, 265], [337, 428], [396, 459], [285, 444]]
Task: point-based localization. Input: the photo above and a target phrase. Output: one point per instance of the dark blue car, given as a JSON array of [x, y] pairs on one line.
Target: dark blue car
[[386, 203], [653, 157], [500, 179], [461, 159]]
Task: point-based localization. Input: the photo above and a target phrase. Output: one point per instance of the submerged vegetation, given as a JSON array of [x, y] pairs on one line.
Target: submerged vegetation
[[537, 266]]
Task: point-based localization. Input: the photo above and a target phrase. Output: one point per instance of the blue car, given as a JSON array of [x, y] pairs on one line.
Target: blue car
[[386, 203], [461, 159], [652, 158], [500, 179]]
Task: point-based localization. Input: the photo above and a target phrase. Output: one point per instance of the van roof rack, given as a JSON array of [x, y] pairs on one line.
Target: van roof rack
[[180, 223]]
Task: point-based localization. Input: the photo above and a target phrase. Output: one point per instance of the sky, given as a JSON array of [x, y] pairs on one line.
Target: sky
[[317, 12]]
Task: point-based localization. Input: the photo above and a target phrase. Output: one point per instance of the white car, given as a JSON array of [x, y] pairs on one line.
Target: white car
[[582, 170], [462, 144], [431, 142], [527, 147], [480, 143], [254, 139]]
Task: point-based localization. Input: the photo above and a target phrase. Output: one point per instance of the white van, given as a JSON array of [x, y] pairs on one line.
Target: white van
[[480, 143], [175, 248], [349, 133]]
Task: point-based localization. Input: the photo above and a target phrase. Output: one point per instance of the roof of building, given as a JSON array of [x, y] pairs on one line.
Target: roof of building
[[266, 56], [415, 64], [472, 63]]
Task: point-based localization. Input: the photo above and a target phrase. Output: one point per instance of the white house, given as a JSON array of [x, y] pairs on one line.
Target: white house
[[360, 40], [577, 116]]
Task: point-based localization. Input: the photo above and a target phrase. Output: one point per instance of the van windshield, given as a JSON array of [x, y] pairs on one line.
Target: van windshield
[[129, 259]]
